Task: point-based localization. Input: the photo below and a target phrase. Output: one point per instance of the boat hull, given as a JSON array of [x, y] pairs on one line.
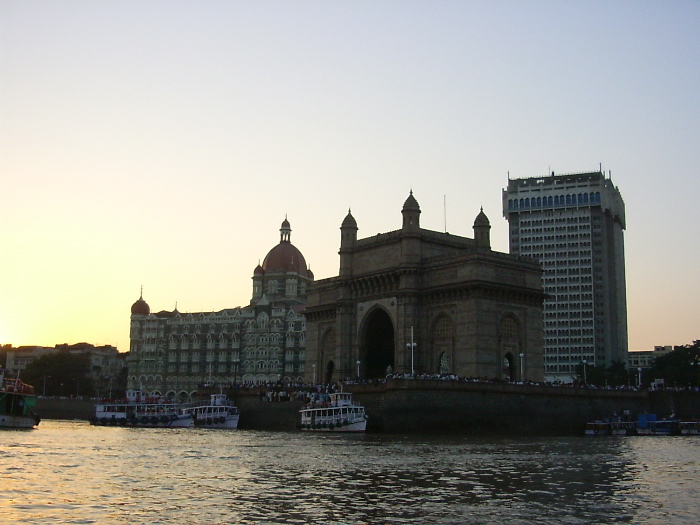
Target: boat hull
[[229, 422], [357, 426], [144, 422], [8, 421]]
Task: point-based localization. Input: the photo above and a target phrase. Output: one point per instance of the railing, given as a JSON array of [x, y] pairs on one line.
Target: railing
[[16, 385]]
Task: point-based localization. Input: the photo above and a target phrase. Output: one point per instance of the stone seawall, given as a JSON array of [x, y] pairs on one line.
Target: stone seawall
[[490, 408], [421, 406]]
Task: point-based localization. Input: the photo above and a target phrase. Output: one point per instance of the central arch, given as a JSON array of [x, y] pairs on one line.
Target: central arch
[[377, 349]]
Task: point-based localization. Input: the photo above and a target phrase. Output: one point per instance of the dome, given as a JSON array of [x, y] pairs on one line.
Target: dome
[[411, 203], [481, 219], [285, 257], [258, 270], [349, 221], [140, 307]]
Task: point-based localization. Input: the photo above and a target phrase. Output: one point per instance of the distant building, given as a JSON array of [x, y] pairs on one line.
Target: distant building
[[106, 363], [415, 300], [573, 224], [645, 358], [172, 353]]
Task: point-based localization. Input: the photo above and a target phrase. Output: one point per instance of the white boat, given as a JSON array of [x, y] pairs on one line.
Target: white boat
[[341, 414], [17, 402], [218, 412], [141, 410], [623, 428]]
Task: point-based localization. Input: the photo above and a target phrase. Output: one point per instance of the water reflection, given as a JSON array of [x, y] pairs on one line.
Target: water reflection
[[69, 472]]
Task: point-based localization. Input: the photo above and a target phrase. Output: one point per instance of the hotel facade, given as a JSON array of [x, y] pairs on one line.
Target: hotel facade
[[574, 225]]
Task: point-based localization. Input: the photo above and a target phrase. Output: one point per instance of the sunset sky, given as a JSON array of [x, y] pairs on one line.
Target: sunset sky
[[162, 143]]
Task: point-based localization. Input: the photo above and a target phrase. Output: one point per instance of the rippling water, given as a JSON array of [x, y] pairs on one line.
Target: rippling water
[[71, 472]]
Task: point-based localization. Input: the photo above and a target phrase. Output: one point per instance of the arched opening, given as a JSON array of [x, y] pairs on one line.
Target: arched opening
[[508, 370], [377, 353], [509, 336], [329, 372], [442, 337]]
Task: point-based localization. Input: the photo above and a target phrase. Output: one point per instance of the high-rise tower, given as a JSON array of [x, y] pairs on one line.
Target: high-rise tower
[[573, 224]]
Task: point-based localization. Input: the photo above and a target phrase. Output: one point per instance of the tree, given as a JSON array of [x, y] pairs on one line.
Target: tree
[[679, 368], [60, 374]]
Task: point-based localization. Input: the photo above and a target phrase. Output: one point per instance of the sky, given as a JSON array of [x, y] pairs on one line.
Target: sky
[[161, 144]]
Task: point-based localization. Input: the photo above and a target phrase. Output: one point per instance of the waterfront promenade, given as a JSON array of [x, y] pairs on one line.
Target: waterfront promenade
[[434, 405]]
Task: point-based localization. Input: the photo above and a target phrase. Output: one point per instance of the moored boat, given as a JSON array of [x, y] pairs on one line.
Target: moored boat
[[17, 404], [140, 410], [623, 428], [340, 414], [598, 428], [689, 428], [648, 425], [218, 412]]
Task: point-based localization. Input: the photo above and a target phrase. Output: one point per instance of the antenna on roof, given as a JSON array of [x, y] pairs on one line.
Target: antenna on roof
[[444, 209]]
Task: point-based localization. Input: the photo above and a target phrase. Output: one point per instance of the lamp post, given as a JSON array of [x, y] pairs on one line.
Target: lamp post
[[585, 381], [639, 377], [358, 369], [412, 346], [44, 392], [522, 369], [314, 369]]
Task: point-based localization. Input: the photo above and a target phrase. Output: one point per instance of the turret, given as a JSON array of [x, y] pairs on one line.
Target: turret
[[482, 226], [348, 239]]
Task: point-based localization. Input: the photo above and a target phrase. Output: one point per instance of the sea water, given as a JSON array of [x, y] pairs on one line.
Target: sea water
[[71, 472]]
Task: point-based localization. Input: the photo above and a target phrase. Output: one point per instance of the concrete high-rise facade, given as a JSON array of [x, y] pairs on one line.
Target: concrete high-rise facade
[[573, 224]]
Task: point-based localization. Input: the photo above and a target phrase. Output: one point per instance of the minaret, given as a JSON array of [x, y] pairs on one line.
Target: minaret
[[411, 214], [348, 239]]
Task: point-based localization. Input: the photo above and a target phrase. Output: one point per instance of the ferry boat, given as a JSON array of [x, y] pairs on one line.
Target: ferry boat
[[218, 412], [141, 410], [341, 414], [17, 403]]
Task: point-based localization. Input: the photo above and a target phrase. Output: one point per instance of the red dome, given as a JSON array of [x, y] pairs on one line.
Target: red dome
[[140, 307], [285, 257]]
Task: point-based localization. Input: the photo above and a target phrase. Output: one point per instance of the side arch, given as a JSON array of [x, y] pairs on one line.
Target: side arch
[[442, 338]]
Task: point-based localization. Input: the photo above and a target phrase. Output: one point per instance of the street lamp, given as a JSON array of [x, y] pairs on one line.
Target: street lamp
[[522, 370], [412, 346], [358, 369], [314, 369], [44, 392], [585, 381], [639, 377]]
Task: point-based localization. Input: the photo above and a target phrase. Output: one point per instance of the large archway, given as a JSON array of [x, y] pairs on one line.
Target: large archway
[[377, 354]]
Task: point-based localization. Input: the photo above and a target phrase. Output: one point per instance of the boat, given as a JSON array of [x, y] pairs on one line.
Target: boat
[[648, 425], [689, 428], [218, 412], [598, 428], [141, 410], [623, 428], [17, 404], [340, 414]]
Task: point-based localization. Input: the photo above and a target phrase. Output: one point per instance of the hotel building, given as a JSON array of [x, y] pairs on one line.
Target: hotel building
[[573, 224]]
